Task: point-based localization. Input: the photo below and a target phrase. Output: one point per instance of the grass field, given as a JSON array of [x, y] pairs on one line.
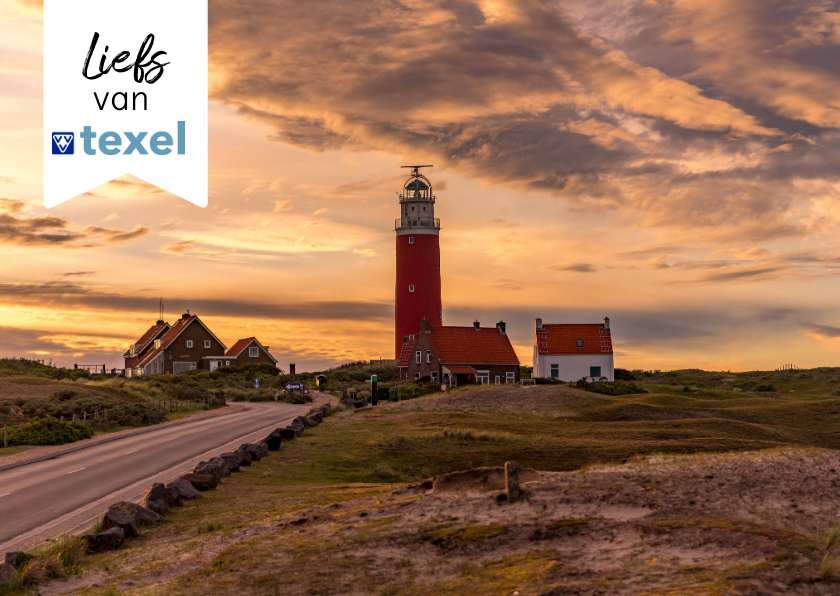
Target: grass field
[[234, 537]]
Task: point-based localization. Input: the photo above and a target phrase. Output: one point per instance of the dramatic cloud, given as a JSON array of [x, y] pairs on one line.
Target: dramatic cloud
[[68, 296], [50, 230]]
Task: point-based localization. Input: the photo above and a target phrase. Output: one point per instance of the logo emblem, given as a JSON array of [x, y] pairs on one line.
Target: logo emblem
[[62, 143]]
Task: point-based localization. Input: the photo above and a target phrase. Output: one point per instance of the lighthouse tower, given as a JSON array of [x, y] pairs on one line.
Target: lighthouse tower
[[418, 258]]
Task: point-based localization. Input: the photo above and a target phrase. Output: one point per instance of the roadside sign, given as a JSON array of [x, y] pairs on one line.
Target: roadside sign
[[294, 386], [443, 387], [373, 378], [257, 383]]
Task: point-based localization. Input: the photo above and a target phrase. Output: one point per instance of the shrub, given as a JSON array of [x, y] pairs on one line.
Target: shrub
[[49, 431], [135, 415], [764, 387], [613, 388], [622, 374]]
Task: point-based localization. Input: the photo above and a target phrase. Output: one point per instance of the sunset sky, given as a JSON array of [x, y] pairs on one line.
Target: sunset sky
[[673, 164]]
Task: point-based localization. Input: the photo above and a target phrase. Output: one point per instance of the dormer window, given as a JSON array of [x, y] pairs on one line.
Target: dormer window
[[157, 344], [579, 343], [207, 344], [253, 352]]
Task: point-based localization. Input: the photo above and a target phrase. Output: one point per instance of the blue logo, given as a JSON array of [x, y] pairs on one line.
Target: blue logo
[[62, 143]]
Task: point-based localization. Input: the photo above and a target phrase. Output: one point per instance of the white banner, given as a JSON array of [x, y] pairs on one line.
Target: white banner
[[125, 92]]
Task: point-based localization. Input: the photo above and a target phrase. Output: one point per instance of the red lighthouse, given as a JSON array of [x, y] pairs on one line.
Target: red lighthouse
[[418, 258]]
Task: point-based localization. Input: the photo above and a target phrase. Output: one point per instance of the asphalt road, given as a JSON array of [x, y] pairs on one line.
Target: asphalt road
[[41, 500]]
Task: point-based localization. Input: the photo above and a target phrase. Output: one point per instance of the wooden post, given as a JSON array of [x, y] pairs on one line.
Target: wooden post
[[512, 481], [5, 436]]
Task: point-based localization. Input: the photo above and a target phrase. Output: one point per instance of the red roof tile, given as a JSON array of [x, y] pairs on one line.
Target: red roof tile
[[237, 348], [146, 338], [562, 339], [407, 351], [465, 345]]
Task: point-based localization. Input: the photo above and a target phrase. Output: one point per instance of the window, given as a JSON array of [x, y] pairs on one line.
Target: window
[[434, 375], [411, 337], [227, 362], [207, 344], [192, 365], [416, 375], [157, 345], [410, 288], [133, 347], [555, 371], [253, 352], [411, 239], [579, 343], [595, 372], [182, 366], [510, 378], [483, 377], [189, 343], [428, 356], [498, 380], [418, 357]]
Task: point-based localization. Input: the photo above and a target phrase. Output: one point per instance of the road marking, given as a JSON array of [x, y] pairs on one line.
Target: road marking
[[74, 471], [130, 452], [172, 439], [5, 494]]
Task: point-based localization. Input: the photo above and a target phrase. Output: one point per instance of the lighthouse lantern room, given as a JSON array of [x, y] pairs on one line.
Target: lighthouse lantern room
[[418, 294]]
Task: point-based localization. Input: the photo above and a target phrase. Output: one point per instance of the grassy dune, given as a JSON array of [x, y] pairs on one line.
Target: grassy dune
[[234, 537]]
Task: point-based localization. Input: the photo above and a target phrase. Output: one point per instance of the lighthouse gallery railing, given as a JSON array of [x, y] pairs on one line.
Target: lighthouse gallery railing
[[416, 223]]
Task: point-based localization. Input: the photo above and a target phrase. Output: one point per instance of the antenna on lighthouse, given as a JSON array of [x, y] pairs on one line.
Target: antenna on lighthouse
[[416, 170]]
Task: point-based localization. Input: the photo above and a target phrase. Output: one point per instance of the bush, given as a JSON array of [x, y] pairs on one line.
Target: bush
[[613, 388], [622, 374], [49, 431], [765, 387], [135, 415]]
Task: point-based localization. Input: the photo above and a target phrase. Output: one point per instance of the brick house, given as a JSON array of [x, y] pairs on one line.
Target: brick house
[[187, 345], [248, 351], [141, 347], [571, 352], [460, 355]]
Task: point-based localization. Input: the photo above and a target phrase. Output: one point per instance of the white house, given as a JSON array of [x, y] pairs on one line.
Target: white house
[[571, 352]]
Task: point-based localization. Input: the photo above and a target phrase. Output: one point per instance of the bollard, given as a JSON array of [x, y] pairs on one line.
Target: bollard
[[512, 481], [5, 436]]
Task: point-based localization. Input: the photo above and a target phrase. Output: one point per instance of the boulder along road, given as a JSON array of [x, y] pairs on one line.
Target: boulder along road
[[41, 500]]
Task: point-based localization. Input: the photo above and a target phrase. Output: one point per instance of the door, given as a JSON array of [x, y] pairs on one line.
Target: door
[[214, 364]]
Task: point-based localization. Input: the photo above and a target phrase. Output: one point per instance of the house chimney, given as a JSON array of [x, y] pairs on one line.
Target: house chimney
[[606, 322], [501, 327], [159, 322], [477, 326], [539, 325], [425, 326], [292, 370], [186, 315]]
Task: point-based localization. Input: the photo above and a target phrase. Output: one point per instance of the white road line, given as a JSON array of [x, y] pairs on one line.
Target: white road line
[[5, 494], [74, 471], [130, 452], [172, 439]]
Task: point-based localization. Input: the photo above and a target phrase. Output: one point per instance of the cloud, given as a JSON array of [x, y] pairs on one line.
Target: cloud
[[364, 252], [576, 267], [78, 273], [820, 332], [282, 206], [51, 230], [62, 295]]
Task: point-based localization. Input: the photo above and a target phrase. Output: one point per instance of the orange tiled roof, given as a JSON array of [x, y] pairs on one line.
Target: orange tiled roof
[[146, 338], [562, 339], [407, 351], [237, 348], [167, 338], [465, 345]]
